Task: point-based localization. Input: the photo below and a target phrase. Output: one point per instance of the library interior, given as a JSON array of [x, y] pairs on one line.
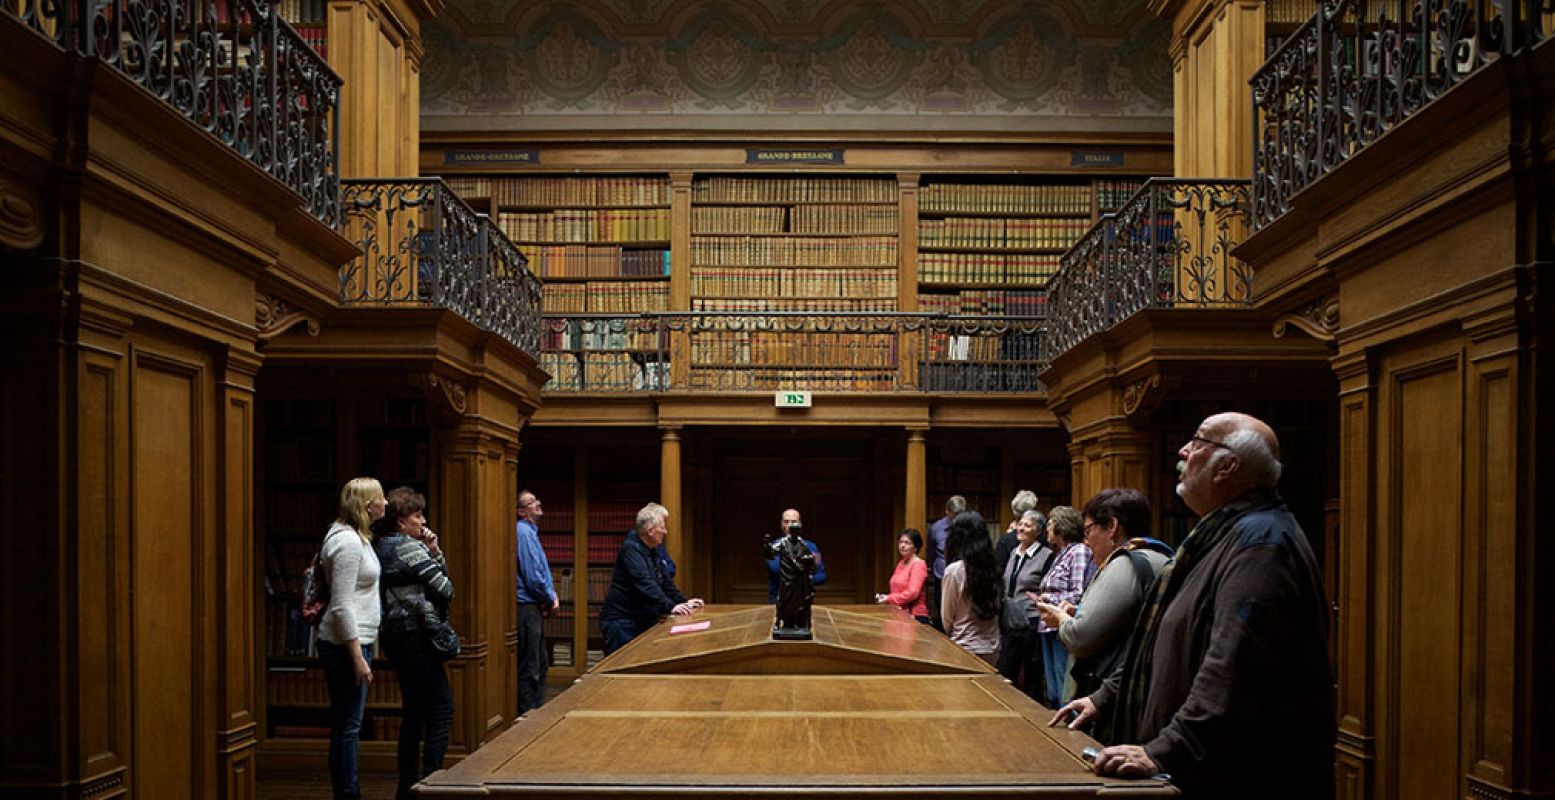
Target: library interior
[[739, 256]]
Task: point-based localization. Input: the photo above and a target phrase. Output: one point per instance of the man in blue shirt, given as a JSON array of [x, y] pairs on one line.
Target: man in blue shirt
[[536, 596], [640, 593], [790, 519]]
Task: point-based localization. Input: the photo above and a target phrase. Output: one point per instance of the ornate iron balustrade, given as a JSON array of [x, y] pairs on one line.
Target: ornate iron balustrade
[[422, 245], [768, 351], [1169, 246], [1357, 69], [233, 67]]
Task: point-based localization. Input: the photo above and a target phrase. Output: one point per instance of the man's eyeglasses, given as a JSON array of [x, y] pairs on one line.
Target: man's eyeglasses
[[1211, 442]]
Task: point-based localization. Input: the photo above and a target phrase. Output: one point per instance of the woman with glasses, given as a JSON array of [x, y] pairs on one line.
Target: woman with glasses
[[1117, 524], [1064, 582]]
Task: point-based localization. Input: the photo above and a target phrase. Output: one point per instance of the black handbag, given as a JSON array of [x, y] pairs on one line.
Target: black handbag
[[443, 640], [1012, 619]]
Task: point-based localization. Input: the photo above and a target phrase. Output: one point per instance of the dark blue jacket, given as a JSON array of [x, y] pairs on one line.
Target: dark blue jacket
[[639, 589]]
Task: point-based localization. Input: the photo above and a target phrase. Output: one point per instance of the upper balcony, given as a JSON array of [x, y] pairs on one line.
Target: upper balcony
[[232, 67], [1169, 246], [423, 246], [1357, 70]]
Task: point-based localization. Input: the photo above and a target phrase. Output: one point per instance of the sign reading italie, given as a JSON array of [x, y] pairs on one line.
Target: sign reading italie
[[790, 155], [526, 155], [1095, 158]]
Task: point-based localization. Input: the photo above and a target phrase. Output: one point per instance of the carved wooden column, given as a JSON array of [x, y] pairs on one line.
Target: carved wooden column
[[675, 543], [473, 499]]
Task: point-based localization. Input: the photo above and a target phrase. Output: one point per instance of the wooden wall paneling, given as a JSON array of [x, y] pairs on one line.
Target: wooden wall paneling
[[169, 664], [1421, 532], [101, 539], [1357, 604], [508, 658], [457, 504], [237, 646], [1494, 448]]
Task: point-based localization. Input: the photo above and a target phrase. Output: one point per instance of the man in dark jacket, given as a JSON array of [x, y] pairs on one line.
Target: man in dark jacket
[[1226, 688], [640, 593]]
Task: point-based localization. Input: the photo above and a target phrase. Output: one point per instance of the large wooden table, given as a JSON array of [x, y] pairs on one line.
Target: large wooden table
[[877, 705]]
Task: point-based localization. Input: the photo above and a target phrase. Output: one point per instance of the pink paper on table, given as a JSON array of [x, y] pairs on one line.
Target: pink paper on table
[[692, 626]]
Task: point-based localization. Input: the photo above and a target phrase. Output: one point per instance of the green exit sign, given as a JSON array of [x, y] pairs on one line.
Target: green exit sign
[[791, 399]]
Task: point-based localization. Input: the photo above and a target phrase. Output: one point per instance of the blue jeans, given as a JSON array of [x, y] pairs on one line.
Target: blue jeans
[[1055, 665], [347, 703]]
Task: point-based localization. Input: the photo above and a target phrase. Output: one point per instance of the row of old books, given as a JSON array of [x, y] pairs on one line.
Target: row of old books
[[304, 11], [801, 251], [600, 335], [1007, 346], [823, 305], [786, 282], [986, 302], [602, 372], [986, 198], [794, 219], [795, 349], [1112, 193], [314, 35], [1057, 233], [620, 192], [595, 261], [986, 268], [298, 686], [613, 297], [587, 225], [730, 189], [766, 380]]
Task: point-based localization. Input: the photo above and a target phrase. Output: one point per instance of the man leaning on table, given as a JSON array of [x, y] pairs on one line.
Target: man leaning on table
[[640, 591]]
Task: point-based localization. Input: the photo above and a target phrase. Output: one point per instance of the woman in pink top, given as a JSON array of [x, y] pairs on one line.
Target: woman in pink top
[[907, 580]]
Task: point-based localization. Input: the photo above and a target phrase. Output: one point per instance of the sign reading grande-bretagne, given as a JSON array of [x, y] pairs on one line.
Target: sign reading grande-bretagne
[[791, 399], [793, 155]]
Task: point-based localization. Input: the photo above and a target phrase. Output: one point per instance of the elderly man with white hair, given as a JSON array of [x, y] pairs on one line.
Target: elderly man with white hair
[[640, 591], [1226, 689]]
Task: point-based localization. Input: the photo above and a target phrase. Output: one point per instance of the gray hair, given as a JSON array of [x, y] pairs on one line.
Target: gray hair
[[1025, 500], [1037, 518], [955, 505], [1259, 464], [650, 515]]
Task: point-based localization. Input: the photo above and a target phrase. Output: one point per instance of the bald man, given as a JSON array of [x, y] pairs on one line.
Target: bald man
[[1226, 687], [790, 520]]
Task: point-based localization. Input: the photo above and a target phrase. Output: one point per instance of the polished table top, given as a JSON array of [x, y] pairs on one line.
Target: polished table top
[[915, 717]]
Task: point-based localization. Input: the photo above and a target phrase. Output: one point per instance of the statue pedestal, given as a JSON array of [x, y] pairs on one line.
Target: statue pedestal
[[791, 634]]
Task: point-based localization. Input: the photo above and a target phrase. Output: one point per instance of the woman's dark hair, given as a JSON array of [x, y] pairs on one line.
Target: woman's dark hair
[[914, 535], [968, 542], [401, 502], [1128, 506]]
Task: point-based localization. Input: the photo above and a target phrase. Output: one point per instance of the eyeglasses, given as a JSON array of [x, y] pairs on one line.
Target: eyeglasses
[[1211, 442], [1086, 528]]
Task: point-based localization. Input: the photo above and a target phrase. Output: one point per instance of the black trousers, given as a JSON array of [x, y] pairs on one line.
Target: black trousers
[[428, 709], [533, 661], [1021, 652]]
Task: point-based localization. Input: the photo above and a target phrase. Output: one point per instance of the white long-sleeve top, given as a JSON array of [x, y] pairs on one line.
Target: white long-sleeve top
[[354, 607]]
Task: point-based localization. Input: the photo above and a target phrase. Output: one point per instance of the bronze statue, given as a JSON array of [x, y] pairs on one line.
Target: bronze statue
[[796, 593]]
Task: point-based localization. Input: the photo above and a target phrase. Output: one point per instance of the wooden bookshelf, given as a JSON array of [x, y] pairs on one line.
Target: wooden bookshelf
[[309, 447], [310, 19]]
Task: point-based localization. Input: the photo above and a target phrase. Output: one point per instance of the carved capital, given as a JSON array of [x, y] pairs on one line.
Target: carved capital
[[1141, 396], [1318, 319], [448, 398], [21, 215], [274, 316]]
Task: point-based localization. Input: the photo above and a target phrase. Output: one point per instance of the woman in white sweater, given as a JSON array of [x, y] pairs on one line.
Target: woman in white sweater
[[350, 625]]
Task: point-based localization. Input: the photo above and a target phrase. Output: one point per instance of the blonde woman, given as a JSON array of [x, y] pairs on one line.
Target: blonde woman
[[350, 625]]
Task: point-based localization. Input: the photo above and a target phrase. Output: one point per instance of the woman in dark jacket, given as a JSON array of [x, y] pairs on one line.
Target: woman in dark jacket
[[416, 592]]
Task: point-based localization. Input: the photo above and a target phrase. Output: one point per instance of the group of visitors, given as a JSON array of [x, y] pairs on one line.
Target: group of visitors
[[388, 585]]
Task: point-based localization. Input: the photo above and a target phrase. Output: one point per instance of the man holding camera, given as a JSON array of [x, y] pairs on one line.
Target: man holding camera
[[790, 521]]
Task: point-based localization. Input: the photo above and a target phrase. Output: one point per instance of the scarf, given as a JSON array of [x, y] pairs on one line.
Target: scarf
[[1122, 725]]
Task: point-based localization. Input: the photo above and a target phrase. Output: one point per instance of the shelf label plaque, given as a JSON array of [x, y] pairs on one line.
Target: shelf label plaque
[[791, 399]]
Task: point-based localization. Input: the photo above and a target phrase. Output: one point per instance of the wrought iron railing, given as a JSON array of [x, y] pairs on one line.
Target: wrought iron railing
[[1357, 69], [782, 350], [233, 67], [421, 245], [1169, 246]]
